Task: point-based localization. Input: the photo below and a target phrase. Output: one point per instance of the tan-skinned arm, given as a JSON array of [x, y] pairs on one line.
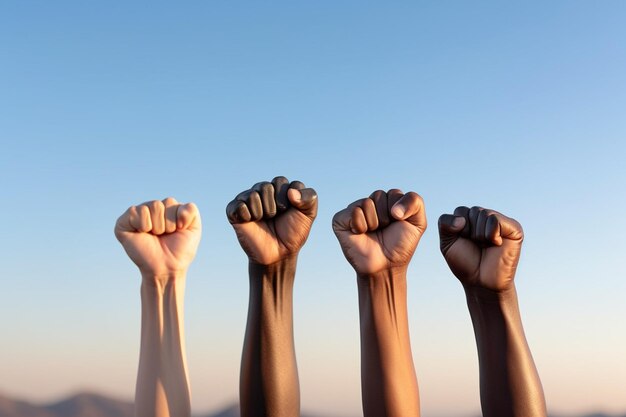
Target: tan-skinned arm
[[161, 238], [482, 248], [378, 236], [272, 221]]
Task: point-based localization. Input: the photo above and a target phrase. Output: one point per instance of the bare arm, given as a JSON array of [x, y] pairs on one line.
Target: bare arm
[[272, 221], [161, 237], [269, 374], [378, 236], [482, 248], [388, 381]]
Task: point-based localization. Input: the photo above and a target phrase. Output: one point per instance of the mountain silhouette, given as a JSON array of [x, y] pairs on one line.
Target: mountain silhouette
[[95, 405], [89, 405]]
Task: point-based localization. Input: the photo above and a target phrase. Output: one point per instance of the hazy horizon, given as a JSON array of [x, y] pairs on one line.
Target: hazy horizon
[[234, 403], [520, 108]]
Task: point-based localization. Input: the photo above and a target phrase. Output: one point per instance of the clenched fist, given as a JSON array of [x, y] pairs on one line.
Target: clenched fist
[[161, 237], [481, 246], [273, 219], [382, 231]]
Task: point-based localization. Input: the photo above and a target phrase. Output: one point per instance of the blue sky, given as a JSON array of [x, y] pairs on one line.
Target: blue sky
[[516, 107]]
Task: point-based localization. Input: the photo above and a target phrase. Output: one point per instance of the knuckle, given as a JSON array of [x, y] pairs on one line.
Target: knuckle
[[169, 201], [191, 207], [415, 196]]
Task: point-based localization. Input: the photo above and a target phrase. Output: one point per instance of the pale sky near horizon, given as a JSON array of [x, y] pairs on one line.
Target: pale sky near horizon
[[521, 108]]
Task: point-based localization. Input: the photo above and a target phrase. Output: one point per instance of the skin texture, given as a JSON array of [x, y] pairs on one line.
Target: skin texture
[[378, 236], [161, 238], [482, 249], [272, 221]]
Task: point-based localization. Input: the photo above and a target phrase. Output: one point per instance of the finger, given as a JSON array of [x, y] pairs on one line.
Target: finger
[[393, 196], [369, 211], [341, 220], [237, 212], [134, 219], [253, 201], [140, 219], [481, 223], [188, 217], [122, 225], [357, 203], [463, 211], [266, 194], [450, 225], [509, 228], [379, 197], [358, 224], [492, 230], [305, 200], [281, 185], [171, 207], [157, 216], [450, 228], [410, 207], [298, 185], [145, 220], [473, 219]]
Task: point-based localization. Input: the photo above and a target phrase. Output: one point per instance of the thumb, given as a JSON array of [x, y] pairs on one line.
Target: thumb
[[305, 200]]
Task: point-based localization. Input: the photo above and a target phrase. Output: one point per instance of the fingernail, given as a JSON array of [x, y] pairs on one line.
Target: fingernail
[[298, 194], [398, 211], [458, 222]]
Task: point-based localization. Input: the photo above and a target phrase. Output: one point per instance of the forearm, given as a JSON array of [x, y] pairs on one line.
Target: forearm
[[162, 382], [269, 376], [388, 382], [509, 382]]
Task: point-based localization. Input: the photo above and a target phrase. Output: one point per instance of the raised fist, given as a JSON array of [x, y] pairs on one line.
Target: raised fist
[[273, 219], [482, 247], [161, 237], [382, 231]]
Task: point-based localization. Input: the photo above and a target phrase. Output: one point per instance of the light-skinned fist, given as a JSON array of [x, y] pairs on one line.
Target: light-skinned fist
[[161, 237], [481, 246], [272, 220], [382, 231]]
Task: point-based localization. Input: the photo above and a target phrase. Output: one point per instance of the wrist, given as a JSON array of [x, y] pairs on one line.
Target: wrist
[[395, 272], [388, 282], [152, 279], [285, 266], [481, 295]]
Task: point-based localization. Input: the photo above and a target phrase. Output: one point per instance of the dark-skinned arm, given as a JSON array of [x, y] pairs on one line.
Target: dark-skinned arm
[[269, 374], [272, 221], [482, 248]]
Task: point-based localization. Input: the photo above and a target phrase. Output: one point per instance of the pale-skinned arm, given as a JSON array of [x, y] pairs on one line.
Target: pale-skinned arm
[[161, 238], [482, 248]]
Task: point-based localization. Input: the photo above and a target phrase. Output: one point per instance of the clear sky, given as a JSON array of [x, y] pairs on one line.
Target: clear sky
[[521, 108]]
